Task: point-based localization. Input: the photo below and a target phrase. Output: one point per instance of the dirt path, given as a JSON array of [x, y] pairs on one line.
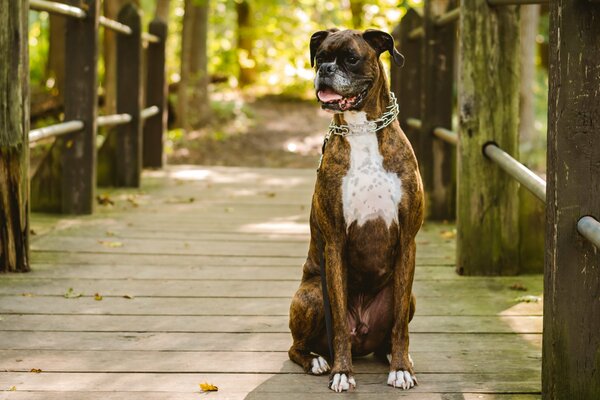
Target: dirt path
[[277, 134]]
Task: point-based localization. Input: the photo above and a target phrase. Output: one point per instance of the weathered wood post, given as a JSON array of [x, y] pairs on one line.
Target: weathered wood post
[[488, 97], [406, 81], [14, 144], [438, 165], [129, 99], [571, 342], [156, 95], [66, 179]]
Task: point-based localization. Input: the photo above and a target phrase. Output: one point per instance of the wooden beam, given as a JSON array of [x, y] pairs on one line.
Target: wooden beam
[[487, 212], [438, 158], [14, 144], [571, 345], [156, 95]]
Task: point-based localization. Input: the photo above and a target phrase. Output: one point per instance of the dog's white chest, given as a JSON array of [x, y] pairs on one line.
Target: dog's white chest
[[368, 190]]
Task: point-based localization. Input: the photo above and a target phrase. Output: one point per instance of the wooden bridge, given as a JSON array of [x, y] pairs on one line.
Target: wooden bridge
[[183, 275]]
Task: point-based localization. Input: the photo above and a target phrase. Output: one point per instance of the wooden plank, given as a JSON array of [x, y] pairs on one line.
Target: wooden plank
[[234, 324], [245, 342], [454, 304], [487, 215], [572, 284], [438, 160], [263, 384], [156, 95], [14, 139], [199, 286], [490, 361]]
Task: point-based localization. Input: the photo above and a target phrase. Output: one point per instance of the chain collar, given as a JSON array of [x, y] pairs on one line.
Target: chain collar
[[365, 128]]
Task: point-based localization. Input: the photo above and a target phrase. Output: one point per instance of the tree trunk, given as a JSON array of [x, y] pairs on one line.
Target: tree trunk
[[245, 43], [14, 144], [56, 56], [356, 7], [530, 16]]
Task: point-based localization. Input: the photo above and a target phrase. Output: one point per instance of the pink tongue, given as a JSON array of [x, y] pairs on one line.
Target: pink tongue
[[328, 95]]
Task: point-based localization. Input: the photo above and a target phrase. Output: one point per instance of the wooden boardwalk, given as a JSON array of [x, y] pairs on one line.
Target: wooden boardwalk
[[194, 275]]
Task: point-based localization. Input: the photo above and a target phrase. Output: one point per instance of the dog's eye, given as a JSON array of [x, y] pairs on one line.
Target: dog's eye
[[352, 59], [319, 60]]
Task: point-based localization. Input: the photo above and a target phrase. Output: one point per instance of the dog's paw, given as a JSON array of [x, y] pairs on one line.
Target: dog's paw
[[319, 366], [342, 382], [402, 379]]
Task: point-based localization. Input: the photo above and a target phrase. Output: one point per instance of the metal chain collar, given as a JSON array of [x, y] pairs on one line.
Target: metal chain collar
[[360, 129]]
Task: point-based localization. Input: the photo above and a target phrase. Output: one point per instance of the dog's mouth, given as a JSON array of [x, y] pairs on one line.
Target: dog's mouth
[[331, 100]]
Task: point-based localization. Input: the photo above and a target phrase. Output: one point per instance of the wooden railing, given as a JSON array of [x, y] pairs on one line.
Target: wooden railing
[[479, 162], [66, 179]]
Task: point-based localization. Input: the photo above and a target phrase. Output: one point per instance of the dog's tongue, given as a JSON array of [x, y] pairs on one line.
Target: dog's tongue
[[328, 95]]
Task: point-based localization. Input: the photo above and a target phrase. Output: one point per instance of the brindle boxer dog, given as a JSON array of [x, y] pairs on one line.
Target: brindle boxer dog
[[366, 210]]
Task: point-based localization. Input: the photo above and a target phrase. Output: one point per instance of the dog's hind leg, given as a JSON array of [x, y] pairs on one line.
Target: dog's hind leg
[[308, 327]]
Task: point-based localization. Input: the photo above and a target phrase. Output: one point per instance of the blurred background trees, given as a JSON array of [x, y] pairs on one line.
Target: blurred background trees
[[235, 66]]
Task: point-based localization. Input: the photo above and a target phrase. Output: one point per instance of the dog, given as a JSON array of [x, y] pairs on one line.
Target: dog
[[367, 208]]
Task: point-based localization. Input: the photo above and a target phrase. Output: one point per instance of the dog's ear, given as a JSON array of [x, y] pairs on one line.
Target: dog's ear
[[383, 41], [315, 41]]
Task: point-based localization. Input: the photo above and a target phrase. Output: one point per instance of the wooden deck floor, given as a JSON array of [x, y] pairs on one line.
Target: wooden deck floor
[[195, 274]]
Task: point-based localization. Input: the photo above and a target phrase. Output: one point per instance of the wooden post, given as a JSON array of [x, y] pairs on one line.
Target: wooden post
[[14, 144], [571, 342], [438, 165], [406, 81], [488, 88], [66, 180], [156, 95], [129, 99]]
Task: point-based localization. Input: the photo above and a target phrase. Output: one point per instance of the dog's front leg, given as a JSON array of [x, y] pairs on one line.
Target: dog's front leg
[[401, 370], [341, 374]]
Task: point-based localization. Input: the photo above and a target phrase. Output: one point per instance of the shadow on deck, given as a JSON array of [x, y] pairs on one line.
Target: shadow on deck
[[194, 275]]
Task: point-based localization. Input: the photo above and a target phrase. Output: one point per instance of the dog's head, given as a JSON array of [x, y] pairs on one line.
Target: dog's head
[[348, 65]]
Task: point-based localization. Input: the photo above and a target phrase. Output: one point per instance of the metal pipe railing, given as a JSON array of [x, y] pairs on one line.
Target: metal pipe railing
[[589, 228], [448, 17], [446, 135], [112, 120], [414, 123], [417, 33], [57, 8], [521, 173], [149, 112], [515, 2], [54, 130], [114, 25], [150, 38]]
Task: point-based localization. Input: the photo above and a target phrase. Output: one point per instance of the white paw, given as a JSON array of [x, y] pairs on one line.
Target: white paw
[[412, 364], [319, 366], [401, 379], [341, 382]]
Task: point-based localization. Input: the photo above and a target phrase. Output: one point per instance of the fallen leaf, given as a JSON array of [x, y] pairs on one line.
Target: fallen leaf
[[448, 234], [98, 297], [518, 286], [27, 294], [104, 200], [32, 232], [12, 389], [208, 387], [35, 370], [108, 243], [271, 194], [180, 200], [70, 294], [133, 201], [128, 296], [528, 299], [110, 233]]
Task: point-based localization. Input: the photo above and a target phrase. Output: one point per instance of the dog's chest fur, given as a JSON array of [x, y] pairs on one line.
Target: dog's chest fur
[[368, 190]]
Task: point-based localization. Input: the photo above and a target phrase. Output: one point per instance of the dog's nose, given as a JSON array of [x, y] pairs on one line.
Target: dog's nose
[[327, 68]]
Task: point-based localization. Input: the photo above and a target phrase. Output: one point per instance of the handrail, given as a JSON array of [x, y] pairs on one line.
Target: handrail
[[518, 171], [57, 8], [149, 112], [112, 120], [150, 38], [446, 135], [414, 123], [448, 17], [54, 130], [417, 33], [114, 25], [589, 228]]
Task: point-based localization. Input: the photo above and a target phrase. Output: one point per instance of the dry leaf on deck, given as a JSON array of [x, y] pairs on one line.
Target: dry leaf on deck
[[448, 234], [70, 294], [104, 200], [27, 294], [12, 389], [128, 296], [36, 370], [518, 286], [108, 243], [98, 297], [208, 387], [528, 299]]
